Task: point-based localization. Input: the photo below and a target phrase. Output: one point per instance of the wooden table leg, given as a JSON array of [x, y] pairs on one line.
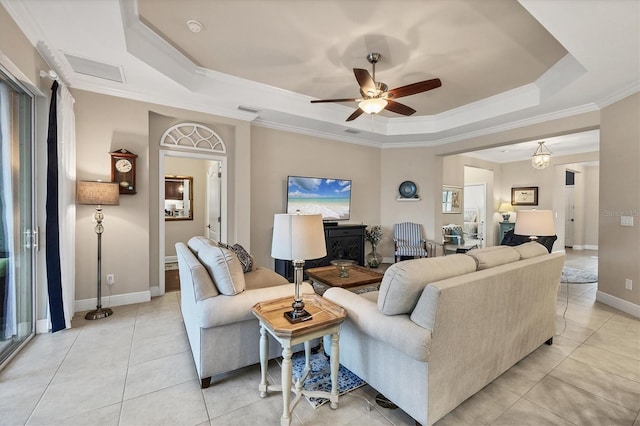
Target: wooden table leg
[[286, 386], [335, 364], [264, 360]]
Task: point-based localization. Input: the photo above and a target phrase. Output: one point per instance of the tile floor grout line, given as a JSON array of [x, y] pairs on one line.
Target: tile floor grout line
[[126, 375], [53, 376]]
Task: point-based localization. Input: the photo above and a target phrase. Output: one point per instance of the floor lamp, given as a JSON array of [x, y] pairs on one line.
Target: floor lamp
[[298, 237], [98, 194]]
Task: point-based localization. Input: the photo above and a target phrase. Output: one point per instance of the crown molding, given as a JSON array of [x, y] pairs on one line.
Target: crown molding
[[618, 95]]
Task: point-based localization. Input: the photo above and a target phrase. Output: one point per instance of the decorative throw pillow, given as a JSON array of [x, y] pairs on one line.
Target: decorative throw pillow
[[246, 260]]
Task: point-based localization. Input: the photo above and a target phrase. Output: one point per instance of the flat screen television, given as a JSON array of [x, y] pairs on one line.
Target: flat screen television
[[329, 197]]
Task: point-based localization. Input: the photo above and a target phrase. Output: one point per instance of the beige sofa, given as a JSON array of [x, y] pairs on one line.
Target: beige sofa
[[216, 298], [442, 328]]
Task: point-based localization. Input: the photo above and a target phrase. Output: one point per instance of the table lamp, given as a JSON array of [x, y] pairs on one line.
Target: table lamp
[[534, 223], [298, 237], [505, 209], [98, 194]]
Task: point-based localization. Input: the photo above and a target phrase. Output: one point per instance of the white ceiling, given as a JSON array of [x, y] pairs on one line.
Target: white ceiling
[[503, 63]]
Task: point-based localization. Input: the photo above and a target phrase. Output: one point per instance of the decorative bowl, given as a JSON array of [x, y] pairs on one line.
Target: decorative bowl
[[343, 266]]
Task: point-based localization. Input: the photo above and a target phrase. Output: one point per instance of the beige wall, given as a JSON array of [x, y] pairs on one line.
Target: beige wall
[[592, 190], [276, 154], [619, 247], [551, 191], [421, 166], [131, 243]]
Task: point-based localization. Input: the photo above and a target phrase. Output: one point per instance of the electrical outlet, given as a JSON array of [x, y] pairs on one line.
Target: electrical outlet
[[628, 284], [111, 279]]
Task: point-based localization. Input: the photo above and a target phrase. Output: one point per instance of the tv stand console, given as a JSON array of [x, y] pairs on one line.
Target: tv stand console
[[343, 242]]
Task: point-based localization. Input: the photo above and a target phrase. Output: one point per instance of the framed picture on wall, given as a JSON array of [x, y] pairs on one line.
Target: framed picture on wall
[[524, 196], [451, 199]]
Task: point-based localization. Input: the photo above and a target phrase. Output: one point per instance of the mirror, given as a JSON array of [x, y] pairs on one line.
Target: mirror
[[178, 198]]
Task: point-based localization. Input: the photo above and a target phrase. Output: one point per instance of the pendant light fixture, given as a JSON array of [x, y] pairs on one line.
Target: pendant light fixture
[[541, 159]]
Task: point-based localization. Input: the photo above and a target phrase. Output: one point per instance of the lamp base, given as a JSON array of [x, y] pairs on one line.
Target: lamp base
[[505, 217], [297, 316], [98, 314]]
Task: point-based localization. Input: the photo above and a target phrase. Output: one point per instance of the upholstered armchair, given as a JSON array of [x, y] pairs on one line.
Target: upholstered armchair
[[408, 241]]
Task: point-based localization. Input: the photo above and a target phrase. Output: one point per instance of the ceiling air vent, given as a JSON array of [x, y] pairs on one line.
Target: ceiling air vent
[[95, 69], [245, 108], [353, 131]]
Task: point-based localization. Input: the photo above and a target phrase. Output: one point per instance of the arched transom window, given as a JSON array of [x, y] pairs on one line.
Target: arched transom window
[[193, 136]]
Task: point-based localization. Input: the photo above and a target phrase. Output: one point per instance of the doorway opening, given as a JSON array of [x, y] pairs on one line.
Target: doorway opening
[[208, 207]]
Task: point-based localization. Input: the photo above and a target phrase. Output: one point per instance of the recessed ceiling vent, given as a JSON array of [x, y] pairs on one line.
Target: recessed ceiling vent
[[245, 108], [354, 131], [95, 69]]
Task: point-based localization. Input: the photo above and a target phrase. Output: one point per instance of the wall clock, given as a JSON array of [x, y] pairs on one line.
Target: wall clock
[[123, 170]]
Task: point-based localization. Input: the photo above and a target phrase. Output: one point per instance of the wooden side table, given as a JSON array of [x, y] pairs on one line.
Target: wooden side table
[[326, 318]]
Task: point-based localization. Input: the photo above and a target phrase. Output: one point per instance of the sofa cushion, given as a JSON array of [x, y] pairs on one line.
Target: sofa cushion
[[403, 282], [530, 249], [488, 257], [191, 270], [198, 242], [262, 277], [224, 268]]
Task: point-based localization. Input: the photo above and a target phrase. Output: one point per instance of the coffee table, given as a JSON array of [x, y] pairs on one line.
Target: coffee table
[[359, 278], [326, 318]]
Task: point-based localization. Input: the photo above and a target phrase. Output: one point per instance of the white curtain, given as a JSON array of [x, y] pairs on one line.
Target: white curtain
[[7, 221], [66, 198]]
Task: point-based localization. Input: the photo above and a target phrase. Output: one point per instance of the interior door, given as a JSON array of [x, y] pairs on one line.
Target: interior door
[[213, 203], [569, 216]]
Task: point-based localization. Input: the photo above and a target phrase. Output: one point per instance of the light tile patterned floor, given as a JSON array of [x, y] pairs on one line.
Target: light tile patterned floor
[[135, 368]]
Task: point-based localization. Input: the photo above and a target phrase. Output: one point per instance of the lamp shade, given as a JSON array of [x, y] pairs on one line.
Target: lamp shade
[[97, 193], [535, 223], [505, 208], [298, 237]]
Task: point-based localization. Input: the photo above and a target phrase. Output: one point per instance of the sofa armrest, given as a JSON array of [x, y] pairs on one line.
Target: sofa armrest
[[396, 330], [222, 310]]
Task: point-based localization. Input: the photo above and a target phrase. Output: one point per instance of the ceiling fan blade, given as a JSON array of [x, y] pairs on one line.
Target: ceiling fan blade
[[367, 85], [357, 113], [412, 89], [317, 101], [399, 108]]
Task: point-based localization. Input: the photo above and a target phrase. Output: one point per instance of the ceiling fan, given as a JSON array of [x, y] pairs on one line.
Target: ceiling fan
[[376, 95]]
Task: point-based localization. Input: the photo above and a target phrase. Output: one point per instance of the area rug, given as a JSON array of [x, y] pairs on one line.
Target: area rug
[[319, 378], [578, 276]]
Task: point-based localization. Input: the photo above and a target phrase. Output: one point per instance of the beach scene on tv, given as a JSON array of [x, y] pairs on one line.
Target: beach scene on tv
[[329, 197]]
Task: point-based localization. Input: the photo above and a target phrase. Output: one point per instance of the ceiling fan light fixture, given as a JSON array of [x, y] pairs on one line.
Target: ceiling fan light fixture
[[373, 105], [541, 159]]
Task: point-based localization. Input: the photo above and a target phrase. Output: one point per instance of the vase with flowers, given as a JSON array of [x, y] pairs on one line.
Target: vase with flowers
[[373, 235]]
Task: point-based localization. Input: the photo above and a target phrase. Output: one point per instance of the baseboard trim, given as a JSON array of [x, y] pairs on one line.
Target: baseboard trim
[[584, 247], [171, 259], [620, 304], [42, 326], [113, 300], [155, 291]]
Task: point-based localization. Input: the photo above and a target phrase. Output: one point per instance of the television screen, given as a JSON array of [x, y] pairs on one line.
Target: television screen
[[329, 197]]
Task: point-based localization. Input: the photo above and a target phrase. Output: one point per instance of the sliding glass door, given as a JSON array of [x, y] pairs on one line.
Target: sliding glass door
[[16, 217]]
